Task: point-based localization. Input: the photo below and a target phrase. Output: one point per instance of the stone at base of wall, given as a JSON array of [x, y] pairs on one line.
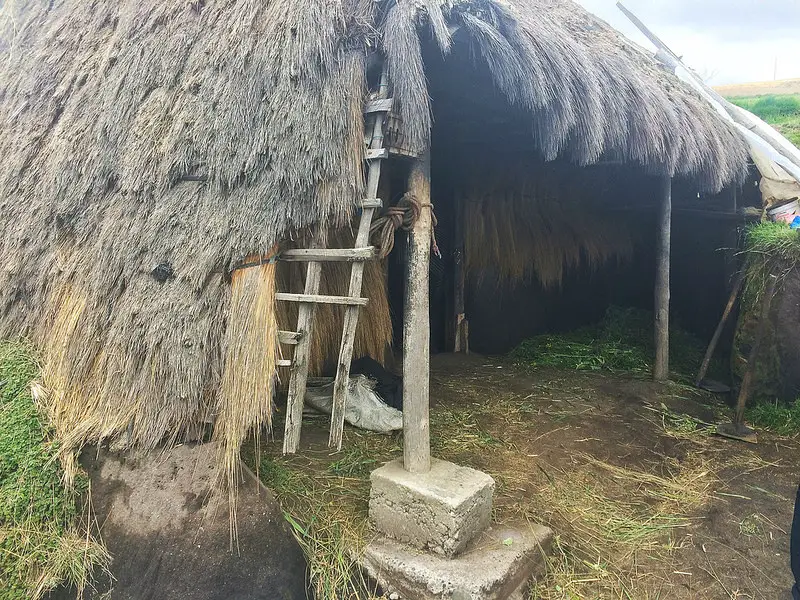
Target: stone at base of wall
[[498, 565], [440, 511]]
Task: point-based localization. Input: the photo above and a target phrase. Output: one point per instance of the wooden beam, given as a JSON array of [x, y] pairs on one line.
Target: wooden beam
[[416, 327], [712, 346], [372, 203], [375, 106], [376, 153], [290, 338], [329, 254], [318, 299], [460, 316], [661, 365]]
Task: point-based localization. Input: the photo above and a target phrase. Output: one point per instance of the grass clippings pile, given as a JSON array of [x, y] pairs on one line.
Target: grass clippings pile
[[622, 341], [41, 543]]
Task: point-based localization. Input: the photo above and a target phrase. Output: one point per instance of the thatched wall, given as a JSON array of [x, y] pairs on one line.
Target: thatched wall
[[190, 135]]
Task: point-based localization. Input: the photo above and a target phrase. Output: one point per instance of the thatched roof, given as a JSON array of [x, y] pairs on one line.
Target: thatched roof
[[193, 133]]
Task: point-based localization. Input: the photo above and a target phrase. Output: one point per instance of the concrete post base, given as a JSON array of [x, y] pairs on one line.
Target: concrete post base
[[498, 565], [441, 511]]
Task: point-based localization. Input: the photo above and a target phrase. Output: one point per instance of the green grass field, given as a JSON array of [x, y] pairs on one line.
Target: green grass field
[[782, 112]]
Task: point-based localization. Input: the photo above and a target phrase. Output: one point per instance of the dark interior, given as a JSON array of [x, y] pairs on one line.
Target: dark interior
[[474, 125]]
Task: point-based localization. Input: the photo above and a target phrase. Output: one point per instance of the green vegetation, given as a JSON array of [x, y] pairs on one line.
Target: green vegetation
[[782, 112], [40, 545], [622, 341], [776, 417], [770, 248]]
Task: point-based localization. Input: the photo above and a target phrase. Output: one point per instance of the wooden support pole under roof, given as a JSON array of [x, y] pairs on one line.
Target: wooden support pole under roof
[[661, 365], [416, 327], [459, 268]]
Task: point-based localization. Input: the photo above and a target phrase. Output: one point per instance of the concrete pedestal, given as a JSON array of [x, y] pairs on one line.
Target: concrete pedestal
[[497, 565], [440, 511]]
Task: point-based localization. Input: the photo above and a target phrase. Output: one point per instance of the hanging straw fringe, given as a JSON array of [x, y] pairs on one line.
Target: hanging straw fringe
[[401, 216]]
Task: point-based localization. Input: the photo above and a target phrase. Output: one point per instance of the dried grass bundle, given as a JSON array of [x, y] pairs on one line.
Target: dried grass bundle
[[520, 225], [244, 403]]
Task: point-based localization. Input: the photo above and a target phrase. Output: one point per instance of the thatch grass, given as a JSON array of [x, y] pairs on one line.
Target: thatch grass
[[42, 545], [246, 389], [523, 225]]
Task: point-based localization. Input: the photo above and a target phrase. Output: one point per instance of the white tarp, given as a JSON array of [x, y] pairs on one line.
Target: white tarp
[[364, 408]]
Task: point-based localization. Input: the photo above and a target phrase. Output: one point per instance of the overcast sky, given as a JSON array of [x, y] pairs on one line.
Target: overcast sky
[[726, 41]]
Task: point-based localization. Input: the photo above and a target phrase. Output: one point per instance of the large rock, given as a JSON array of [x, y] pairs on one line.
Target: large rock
[[168, 531]]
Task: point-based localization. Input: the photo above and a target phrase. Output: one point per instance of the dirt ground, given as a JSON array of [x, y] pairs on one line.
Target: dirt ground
[[646, 502]]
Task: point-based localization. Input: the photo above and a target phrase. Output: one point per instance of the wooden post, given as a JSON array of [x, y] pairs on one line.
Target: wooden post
[[416, 327], [462, 332], [661, 366]]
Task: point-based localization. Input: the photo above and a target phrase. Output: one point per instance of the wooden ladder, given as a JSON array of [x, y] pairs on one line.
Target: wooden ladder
[[375, 112]]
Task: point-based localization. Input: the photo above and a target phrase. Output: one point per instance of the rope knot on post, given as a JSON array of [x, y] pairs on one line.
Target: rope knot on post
[[401, 216]]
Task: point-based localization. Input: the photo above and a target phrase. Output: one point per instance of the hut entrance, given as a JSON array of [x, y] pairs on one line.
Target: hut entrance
[[548, 245]]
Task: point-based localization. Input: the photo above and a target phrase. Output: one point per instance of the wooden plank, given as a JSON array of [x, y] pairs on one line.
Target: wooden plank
[[291, 338], [377, 153], [341, 385], [284, 363], [372, 203], [299, 373], [661, 365], [377, 106], [318, 299], [416, 328], [329, 254]]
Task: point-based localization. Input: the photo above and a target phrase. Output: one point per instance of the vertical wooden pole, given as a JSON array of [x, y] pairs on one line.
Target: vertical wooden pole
[[661, 366], [462, 340], [416, 327]]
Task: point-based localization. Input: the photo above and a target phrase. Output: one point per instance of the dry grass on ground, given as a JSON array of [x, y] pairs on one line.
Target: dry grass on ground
[[645, 502]]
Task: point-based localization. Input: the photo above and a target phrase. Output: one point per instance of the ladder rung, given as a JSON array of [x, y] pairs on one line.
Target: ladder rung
[[376, 153], [372, 203], [379, 106], [329, 255], [289, 337], [317, 299], [284, 363]]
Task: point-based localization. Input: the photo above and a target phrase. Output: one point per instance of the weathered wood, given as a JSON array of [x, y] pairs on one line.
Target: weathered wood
[[661, 365], [376, 154], [372, 203], [299, 373], [376, 106], [284, 363], [329, 254], [319, 299], [761, 328], [461, 326], [416, 327], [712, 345], [341, 385], [290, 338]]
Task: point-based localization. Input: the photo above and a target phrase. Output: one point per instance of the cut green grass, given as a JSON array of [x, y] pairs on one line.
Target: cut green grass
[[776, 417], [623, 341], [40, 543]]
